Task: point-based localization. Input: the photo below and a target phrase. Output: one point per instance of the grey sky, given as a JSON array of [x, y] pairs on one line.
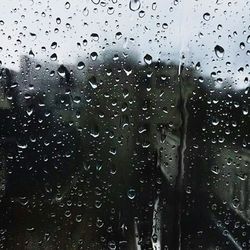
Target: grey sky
[[167, 31]]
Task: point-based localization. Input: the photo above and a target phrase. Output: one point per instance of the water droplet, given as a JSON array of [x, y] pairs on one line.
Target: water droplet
[[58, 20], [242, 45], [134, 5], [141, 13], [93, 82], [154, 6], [67, 5], [131, 193], [94, 36], [61, 71], [99, 223], [164, 25], [148, 59], [38, 67], [53, 57], [118, 35], [111, 245], [84, 42], [31, 53], [79, 218], [95, 1], [248, 39], [215, 169], [93, 56], [110, 10], [81, 65], [53, 45], [33, 35], [219, 51], [85, 11], [206, 16]]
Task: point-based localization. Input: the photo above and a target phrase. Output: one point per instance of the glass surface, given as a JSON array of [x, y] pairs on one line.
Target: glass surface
[[124, 124]]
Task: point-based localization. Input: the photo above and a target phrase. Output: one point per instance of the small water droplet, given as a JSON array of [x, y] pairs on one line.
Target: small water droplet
[[93, 56], [134, 5], [53, 45], [93, 82], [141, 13], [206, 16], [94, 36], [81, 65], [118, 35], [58, 20], [61, 71], [148, 59], [154, 6], [219, 51], [95, 1], [131, 193], [53, 57], [164, 25], [67, 5]]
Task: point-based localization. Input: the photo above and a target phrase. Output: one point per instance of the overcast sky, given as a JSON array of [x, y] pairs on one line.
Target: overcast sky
[[165, 29]]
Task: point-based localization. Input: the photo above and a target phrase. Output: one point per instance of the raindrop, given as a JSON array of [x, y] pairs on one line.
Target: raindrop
[[118, 35], [58, 20], [131, 193], [53, 45], [219, 51], [81, 65], [95, 1], [85, 11], [31, 53], [53, 57], [148, 59], [164, 25], [248, 39], [67, 5], [141, 13], [33, 35], [110, 10], [93, 82], [61, 71], [93, 56], [84, 42], [134, 5], [111, 245], [94, 36], [154, 6], [206, 16], [242, 45]]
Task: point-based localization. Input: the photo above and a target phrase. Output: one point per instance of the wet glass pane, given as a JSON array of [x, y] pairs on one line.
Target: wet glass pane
[[124, 124]]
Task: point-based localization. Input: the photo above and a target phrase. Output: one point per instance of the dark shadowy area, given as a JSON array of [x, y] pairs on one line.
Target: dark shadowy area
[[128, 155]]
